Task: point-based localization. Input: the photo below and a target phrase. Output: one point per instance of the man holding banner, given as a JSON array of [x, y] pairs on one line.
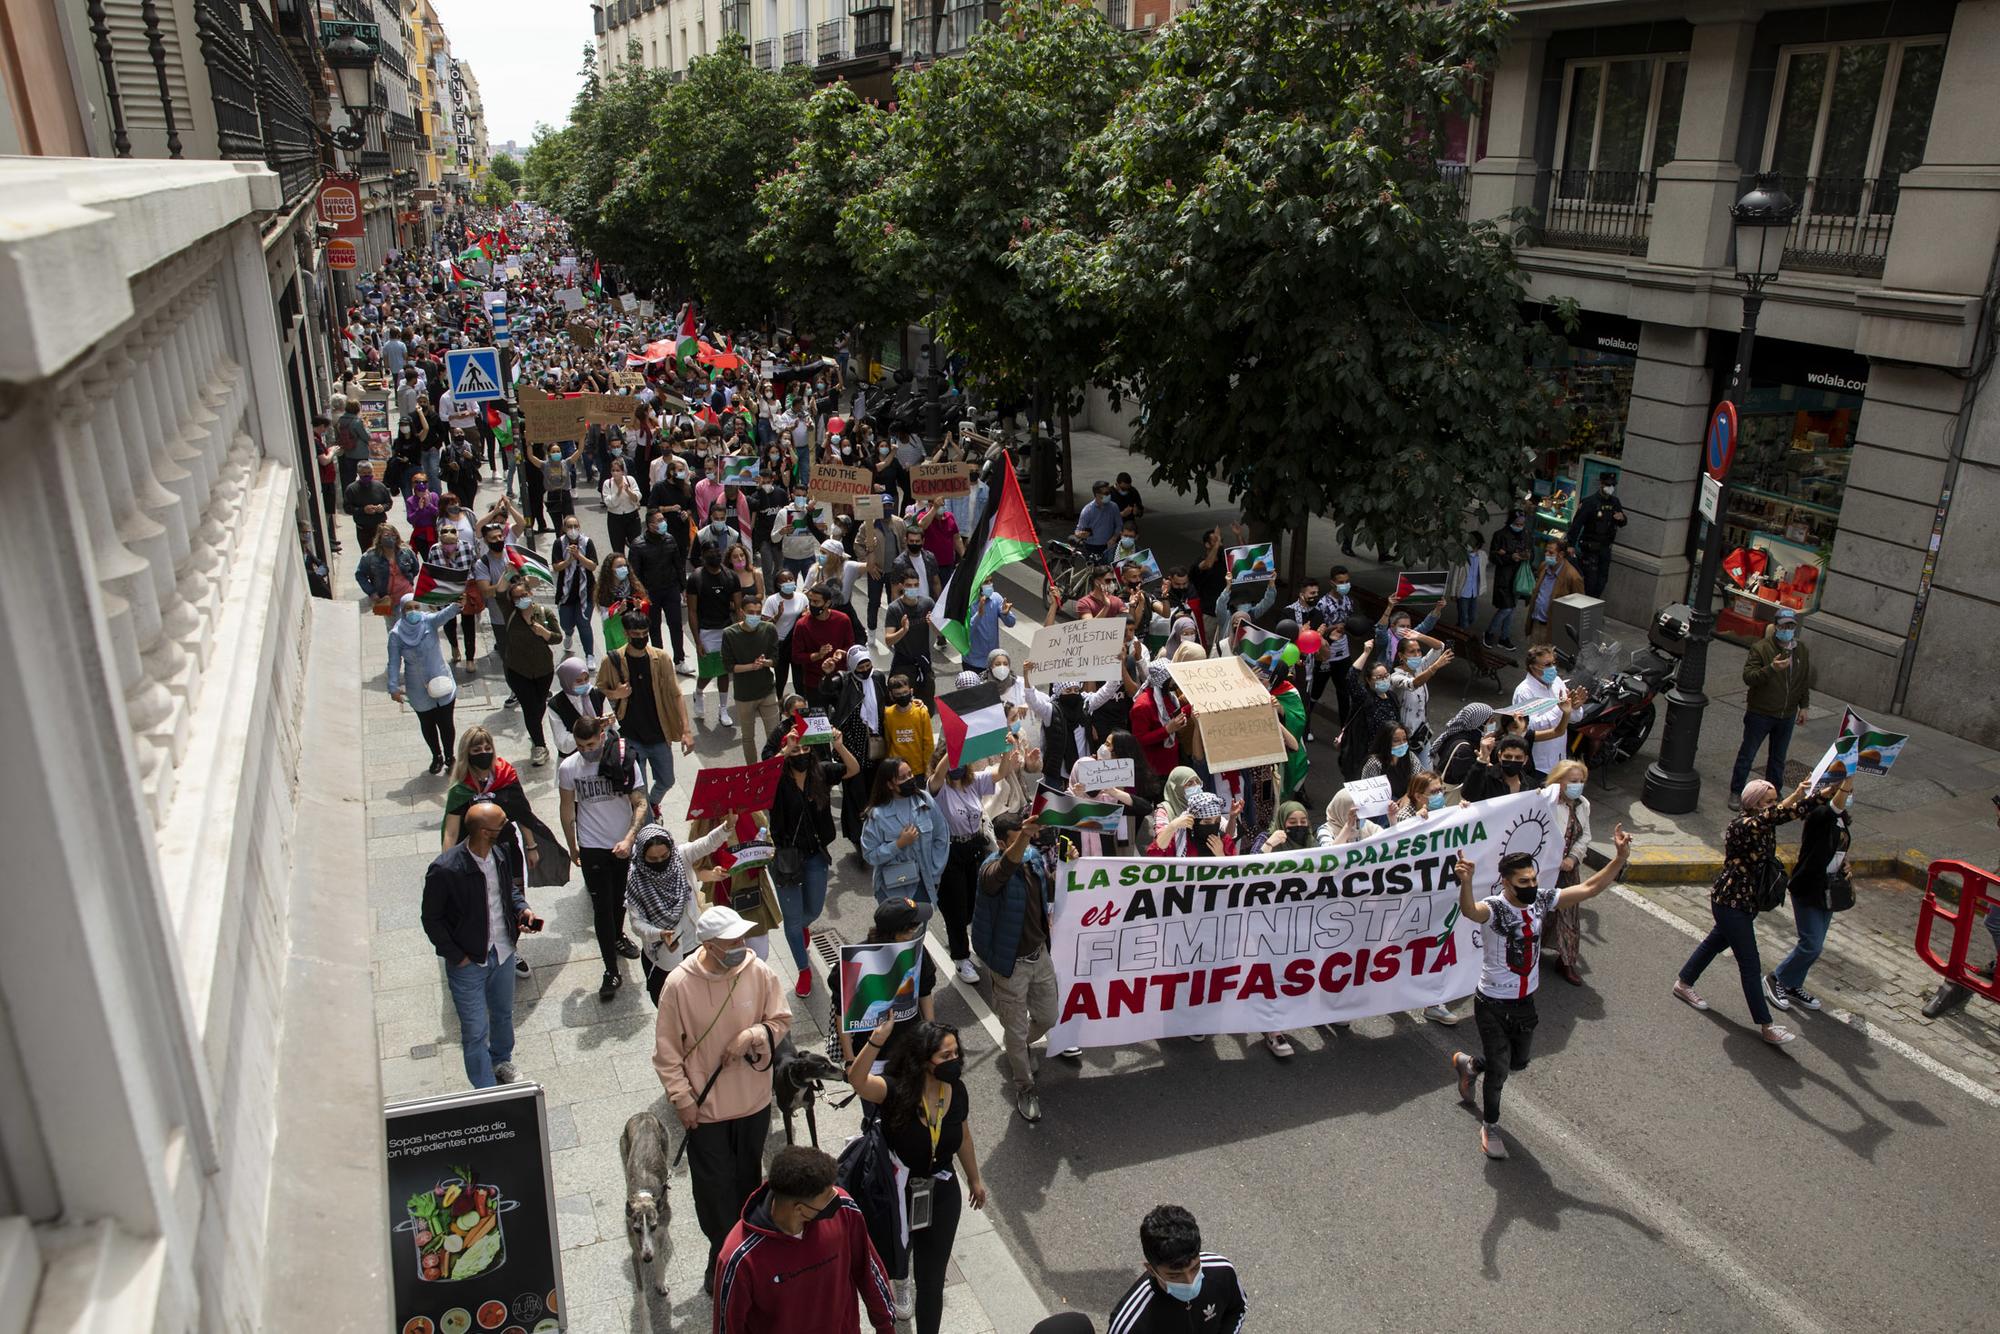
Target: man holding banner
[[1510, 968]]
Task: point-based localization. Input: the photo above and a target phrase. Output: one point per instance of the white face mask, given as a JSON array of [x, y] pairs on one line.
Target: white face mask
[[1000, 671]]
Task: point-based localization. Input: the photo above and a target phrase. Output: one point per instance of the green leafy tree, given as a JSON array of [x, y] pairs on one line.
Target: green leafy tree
[[1300, 308], [576, 170], [685, 206], [972, 164], [816, 277], [507, 169], [494, 192]]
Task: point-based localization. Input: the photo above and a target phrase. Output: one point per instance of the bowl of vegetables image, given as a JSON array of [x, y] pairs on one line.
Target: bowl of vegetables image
[[455, 1227]]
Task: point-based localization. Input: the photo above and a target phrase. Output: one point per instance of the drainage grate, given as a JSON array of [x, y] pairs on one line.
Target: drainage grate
[[827, 941]]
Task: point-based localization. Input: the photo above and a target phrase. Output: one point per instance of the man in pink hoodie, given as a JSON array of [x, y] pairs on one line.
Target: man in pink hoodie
[[721, 1014], [800, 1257]]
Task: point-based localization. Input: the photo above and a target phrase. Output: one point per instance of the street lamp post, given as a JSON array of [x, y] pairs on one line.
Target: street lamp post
[[1760, 220], [353, 62]]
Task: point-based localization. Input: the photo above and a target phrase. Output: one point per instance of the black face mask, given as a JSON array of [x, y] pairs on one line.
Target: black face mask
[[1513, 765], [1203, 831], [948, 1071], [799, 763], [494, 546], [480, 759], [908, 787], [901, 697], [711, 561], [1070, 706]]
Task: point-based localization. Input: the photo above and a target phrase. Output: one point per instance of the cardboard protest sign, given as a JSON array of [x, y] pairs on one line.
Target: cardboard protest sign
[[865, 507], [571, 298], [1239, 728], [646, 310], [1326, 934], [628, 380], [550, 419], [1096, 775], [1372, 796], [1251, 564], [1087, 650], [736, 789], [608, 409], [839, 483], [628, 303], [582, 334], [941, 481]]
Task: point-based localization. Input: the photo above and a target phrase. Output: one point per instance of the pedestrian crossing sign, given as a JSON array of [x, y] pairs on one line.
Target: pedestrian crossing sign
[[474, 373]]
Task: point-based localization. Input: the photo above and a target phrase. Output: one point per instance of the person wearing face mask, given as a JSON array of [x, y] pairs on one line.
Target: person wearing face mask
[[1011, 933], [904, 838], [420, 509], [387, 571], [1410, 684], [418, 675], [1565, 791], [906, 629], [1593, 531], [961, 792], [663, 898], [1064, 714], [1515, 918], [749, 655], [1390, 758], [800, 1257], [722, 1014], [1555, 578], [603, 808], [576, 567], [1158, 719], [659, 563], [876, 545], [1185, 1290], [988, 613], [575, 697], [711, 609], [802, 821], [488, 578], [1778, 669], [619, 590], [818, 635], [1544, 683], [453, 552], [1469, 580], [1371, 711], [473, 911], [925, 1121], [1508, 770], [782, 611], [718, 532], [526, 639], [1509, 547], [621, 505], [1820, 886], [1202, 829]]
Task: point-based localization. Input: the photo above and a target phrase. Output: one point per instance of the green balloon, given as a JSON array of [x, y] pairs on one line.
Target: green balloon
[[1289, 655]]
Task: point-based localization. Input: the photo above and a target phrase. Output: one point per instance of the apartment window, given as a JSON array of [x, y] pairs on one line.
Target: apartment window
[[1621, 120], [701, 34], [1850, 120]]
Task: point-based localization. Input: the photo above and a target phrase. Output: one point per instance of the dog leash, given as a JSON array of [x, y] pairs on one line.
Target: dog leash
[[701, 1097]]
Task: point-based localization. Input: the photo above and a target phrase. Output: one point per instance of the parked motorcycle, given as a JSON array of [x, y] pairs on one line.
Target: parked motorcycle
[[1621, 712]]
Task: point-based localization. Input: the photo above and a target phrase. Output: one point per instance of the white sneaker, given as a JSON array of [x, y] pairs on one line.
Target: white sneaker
[[538, 756], [590, 661], [968, 971], [727, 719], [906, 1298], [1437, 1014], [505, 1072]]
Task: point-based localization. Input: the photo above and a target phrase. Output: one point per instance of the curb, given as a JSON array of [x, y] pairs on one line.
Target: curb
[[1668, 866]]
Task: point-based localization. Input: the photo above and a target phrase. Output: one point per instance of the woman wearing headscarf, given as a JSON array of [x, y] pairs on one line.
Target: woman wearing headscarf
[[1749, 846], [1291, 831], [1183, 631], [1181, 784], [1199, 830], [576, 696], [419, 675], [855, 698], [1159, 715], [663, 900], [1063, 714], [1457, 748], [1342, 825]]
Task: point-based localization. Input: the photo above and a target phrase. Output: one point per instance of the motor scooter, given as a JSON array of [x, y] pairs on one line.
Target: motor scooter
[[1620, 713]]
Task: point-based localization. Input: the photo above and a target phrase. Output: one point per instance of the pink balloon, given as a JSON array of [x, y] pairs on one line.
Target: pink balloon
[[836, 425], [1309, 641]]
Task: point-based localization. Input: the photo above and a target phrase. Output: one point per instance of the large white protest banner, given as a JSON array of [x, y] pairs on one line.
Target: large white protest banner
[[1086, 650], [1149, 948]]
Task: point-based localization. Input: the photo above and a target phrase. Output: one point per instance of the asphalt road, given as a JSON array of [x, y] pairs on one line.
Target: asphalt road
[[1668, 1169]]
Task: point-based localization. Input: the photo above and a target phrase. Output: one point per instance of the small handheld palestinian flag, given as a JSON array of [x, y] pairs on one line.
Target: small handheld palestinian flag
[[974, 722], [877, 981], [1066, 810], [1259, 646], [739, 471], [439, 585], [526, 562], [614, 621], [815, 729], [1251, 564], [1420, 585]]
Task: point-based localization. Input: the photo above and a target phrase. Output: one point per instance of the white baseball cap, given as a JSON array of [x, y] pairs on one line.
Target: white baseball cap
[[721, 923]]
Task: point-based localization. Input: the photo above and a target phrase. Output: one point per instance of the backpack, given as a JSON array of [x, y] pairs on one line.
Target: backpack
[[866, 1170]]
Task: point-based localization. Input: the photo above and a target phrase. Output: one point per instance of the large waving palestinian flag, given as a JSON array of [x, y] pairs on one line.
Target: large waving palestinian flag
[[530, 564], [974, 722], [1066, 810], [1002, 535], [439, 585]]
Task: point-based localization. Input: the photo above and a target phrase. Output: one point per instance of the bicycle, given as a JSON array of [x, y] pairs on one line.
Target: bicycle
[[1069, 568]]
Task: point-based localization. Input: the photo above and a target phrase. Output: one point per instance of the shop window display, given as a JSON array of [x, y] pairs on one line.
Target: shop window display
[[1597, 390]]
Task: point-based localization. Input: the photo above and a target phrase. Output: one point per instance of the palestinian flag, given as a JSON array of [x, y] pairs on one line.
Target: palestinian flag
[[502, 427], [707, 666], [1003, 534], [457, 276], [877, 981], [528, 563], [614, 621], [597, 279], [975, 723], [1066, 810], [1421, 585], [439, 585], [689, 342], [1250, 564], [1258, 645]]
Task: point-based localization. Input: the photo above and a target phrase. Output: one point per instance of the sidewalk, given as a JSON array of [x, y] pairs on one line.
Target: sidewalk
[[1936, 804]]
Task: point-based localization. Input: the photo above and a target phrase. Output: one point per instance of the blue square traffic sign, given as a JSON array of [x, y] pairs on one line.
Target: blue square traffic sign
[[474, 374]]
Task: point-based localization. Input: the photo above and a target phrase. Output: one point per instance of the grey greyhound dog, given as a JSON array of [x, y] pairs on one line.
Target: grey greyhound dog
[[647, 1209]]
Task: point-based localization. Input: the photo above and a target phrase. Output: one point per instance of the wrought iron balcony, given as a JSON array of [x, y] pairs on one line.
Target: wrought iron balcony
[[832, 45], [761, 55], [795, 47], [1596, 210], [1459, 179], [1843, 224]]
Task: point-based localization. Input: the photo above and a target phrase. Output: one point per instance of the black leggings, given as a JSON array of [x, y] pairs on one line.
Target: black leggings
[[439, 734], [955, 891], [930, 1253], [1506, 1031], [470, 620], [604, 878], [532, 694]]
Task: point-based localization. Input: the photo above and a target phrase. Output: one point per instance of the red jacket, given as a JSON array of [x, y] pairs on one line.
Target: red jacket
[[1162, 747], [767, 1282]]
